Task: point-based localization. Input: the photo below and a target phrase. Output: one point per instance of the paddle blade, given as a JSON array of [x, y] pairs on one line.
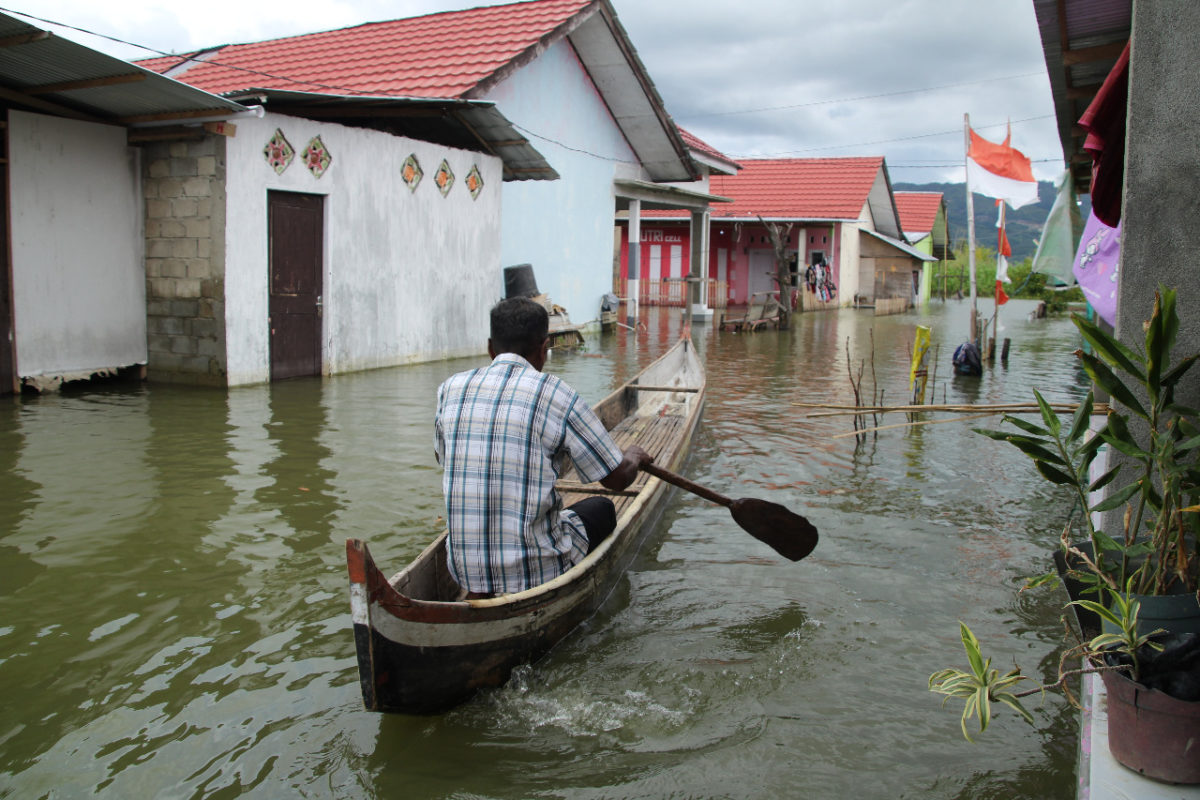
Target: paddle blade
[[787, 533]]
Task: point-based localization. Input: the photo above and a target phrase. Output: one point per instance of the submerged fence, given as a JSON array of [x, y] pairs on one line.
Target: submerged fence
[[671, 291]]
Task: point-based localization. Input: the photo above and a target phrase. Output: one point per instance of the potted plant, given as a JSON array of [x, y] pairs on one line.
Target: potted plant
[[1115, 578], [1152, 680]]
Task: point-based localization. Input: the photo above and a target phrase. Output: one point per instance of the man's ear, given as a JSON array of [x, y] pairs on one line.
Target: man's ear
[[542, 352], [491, 349]]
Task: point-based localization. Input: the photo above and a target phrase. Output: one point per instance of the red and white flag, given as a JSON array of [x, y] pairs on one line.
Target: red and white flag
[[1003, 248], [1000, 171]]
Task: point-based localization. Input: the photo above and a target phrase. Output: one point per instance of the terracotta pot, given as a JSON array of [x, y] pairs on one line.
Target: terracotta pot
[[1152, 732]]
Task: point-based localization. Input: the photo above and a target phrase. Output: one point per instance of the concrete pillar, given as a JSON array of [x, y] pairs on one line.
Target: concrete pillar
[[698, 266], [1159, 235], [635, 258]]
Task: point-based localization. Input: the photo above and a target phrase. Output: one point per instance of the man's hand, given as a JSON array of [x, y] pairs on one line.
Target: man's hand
[[627, 470]]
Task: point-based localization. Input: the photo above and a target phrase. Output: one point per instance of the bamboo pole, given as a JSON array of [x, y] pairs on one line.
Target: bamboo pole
[[909, 425], [984, 408]]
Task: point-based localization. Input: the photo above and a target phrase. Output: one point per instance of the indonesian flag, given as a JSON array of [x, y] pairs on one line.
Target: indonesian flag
[[1003, 248], [1001, 297], [1000, 171]]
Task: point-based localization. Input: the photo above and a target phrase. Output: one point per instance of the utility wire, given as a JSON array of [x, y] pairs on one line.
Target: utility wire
[[859, 97], [957, 131]]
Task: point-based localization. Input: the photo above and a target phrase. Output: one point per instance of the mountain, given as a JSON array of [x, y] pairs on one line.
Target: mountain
[[1023, 225]]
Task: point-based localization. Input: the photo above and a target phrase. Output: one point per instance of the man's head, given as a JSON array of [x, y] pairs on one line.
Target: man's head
[[520, 326]]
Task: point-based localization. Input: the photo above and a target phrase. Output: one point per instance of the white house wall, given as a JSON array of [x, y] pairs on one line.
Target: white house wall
[[851, 250], [564, 228], [408, 275], [79, 284]]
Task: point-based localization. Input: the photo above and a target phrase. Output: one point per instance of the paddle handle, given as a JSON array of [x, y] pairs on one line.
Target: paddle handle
[[684, 483]]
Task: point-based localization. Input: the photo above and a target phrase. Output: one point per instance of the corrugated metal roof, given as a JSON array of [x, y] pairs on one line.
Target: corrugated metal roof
[[50, 74], [1081, 41], [899, 245], [468, 124]]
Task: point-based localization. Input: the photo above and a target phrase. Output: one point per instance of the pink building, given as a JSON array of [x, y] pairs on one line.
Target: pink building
[[841, 228]]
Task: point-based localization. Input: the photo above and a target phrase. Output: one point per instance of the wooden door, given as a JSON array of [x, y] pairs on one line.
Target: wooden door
[[297, 234], [8, 360]]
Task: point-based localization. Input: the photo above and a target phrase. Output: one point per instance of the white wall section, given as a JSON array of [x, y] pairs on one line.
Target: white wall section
[[408, 276], [79, 285]]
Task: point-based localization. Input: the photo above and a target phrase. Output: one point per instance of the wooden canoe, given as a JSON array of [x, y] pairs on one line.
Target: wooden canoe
[[422, 647]]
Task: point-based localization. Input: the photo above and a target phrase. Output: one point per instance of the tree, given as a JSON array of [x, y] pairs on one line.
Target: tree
[[783, 275]]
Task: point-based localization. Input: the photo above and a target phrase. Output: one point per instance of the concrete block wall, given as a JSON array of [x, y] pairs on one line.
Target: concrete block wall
[[184, 186]]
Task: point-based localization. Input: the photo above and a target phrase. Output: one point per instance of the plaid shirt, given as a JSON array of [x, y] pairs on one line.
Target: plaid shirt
[[502, 434]]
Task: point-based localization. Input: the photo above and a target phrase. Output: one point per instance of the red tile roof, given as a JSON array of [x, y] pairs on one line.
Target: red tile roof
[[918, 210], [696, 143], [439, 55], [797, 188]]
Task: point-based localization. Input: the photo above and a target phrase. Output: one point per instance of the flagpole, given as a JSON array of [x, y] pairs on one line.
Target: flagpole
[[973, 337], [996, 294]]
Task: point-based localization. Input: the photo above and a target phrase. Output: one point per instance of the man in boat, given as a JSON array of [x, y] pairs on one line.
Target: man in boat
[[503, 434]]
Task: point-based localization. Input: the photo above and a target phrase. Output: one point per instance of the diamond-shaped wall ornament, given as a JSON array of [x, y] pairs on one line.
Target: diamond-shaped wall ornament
[[316, 157], [411, 172], [474, 182], [278, 152], [444, 177]]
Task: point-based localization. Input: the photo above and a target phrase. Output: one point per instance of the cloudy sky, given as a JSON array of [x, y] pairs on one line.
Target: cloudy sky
[[780, 78]]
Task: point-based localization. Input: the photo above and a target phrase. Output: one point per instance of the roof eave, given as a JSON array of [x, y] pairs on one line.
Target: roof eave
[[477, 120], [53, 75]]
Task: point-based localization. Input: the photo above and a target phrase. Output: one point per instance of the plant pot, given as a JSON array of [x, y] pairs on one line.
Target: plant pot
[[1151, 732], [1173, 613]]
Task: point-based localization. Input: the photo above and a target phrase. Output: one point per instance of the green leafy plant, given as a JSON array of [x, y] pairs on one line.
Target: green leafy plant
[[1122, 614], [1157, 545], [1156, 549], [1160, 535], [981, 686]]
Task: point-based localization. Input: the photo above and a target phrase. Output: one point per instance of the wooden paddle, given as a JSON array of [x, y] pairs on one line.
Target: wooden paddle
[[787, 533]]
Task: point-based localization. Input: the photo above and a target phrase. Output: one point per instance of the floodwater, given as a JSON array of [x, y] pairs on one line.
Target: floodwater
[[174, 615]]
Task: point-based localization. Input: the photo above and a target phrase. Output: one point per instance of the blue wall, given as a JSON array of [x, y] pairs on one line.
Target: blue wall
[[563, 228]]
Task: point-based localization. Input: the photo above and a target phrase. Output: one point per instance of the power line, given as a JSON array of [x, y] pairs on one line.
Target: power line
[[957, 131], [859, 97]]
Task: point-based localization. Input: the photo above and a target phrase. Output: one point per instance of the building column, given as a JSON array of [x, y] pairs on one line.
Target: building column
[[635, 258], [698, 275]]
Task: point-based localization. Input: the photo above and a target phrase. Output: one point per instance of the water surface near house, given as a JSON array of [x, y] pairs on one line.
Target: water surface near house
[[174, 616]]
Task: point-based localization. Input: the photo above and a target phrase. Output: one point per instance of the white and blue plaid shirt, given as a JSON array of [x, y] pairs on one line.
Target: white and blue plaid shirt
[[502, 434]]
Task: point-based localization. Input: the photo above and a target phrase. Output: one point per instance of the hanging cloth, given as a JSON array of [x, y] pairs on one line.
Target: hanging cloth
[[1104, 122]]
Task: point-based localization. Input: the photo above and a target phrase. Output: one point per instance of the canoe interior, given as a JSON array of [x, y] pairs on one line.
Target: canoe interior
[[656, 419]]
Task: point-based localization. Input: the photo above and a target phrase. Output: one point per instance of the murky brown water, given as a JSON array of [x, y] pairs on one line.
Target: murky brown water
[[174, 616]]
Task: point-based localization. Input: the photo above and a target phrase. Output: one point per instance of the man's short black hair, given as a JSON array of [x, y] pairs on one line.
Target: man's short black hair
[[519, 325]]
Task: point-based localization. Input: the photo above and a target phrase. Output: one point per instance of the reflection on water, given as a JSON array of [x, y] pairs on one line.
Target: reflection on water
[[173, 604]]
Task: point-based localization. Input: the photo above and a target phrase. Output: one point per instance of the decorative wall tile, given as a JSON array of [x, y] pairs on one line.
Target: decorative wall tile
[[444, 177], [316, 157], [474, 182], [411, 172], [278, 152]]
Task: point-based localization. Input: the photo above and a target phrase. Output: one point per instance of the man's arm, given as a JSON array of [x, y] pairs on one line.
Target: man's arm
[[627, 470]]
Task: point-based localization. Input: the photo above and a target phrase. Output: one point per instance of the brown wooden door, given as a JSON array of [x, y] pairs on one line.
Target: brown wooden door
[[8, 360], [297, 233]]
